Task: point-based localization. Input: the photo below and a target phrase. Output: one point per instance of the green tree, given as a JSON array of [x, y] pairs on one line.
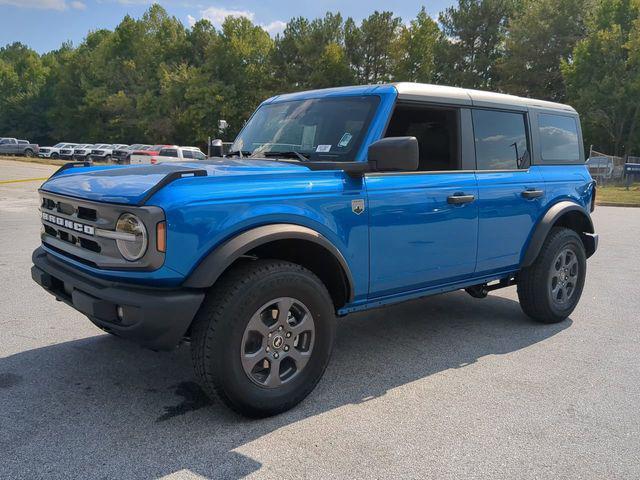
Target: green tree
[[603, 77], [23, 76], [311, 54], [416, 50], [476, 30], [542, 34], [369, 47]]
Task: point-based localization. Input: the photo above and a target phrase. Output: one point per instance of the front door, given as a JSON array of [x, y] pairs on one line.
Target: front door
[[420, 233]]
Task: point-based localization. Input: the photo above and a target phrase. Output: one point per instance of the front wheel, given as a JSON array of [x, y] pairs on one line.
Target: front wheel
[[28, 153], [263, 337], [550, 288]]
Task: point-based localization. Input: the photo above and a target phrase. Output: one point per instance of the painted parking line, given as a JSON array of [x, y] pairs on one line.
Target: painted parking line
[[2, 182]]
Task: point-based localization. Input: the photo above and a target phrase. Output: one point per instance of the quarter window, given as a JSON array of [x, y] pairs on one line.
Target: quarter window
[[501, 140], [558, 138]]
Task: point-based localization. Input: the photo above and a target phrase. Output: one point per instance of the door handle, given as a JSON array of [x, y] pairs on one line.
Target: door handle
[[459, 199], [530, 194]]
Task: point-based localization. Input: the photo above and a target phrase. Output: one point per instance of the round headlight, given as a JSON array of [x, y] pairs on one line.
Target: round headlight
[[134, 245]]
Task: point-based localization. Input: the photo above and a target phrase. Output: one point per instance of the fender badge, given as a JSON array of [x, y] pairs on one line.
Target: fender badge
[[357, 206]]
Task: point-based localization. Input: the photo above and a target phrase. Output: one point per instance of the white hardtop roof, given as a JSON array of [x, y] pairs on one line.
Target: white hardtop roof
[[464, 96]]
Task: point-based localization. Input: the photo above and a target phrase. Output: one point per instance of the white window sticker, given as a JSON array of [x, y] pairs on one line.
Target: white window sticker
[[323, 148], [344, 141]]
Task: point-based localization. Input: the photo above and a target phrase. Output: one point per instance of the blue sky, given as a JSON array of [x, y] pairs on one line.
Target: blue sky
[[45, 24]]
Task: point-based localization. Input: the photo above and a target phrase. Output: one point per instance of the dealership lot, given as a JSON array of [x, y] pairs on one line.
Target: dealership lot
[[445, 387]]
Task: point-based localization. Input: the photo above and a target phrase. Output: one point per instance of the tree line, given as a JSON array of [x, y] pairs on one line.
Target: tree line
[[154, 80]]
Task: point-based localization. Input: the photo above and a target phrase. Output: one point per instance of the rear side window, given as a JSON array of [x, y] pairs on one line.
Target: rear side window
[[501, 140], [168, 152], [558, 138]]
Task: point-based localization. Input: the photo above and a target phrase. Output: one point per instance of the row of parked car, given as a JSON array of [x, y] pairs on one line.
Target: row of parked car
[[120, 153]]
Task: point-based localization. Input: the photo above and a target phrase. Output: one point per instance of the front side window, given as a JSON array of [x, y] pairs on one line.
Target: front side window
[[187, 154], [326, 129], [501, 140], [558, 138], [198, 155]]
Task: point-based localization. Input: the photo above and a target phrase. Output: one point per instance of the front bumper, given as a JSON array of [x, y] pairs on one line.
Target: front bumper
[[157, 318]]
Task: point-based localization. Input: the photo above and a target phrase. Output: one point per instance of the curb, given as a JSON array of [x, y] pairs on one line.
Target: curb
[[614, 204]]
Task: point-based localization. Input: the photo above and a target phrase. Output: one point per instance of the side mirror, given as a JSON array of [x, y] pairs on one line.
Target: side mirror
[[216, 148], [394, 154]]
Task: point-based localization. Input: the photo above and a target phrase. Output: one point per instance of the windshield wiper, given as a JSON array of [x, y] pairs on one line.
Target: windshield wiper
[[303, 157], [239, 153]]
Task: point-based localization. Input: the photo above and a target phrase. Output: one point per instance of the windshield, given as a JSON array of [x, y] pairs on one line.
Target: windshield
[[325, 129]]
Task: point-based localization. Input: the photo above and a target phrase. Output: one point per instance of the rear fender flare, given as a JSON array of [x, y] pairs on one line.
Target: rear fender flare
[[547, 222]]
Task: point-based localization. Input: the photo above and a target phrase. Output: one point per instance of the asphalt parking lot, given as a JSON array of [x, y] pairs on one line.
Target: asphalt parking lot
[[448, 387]]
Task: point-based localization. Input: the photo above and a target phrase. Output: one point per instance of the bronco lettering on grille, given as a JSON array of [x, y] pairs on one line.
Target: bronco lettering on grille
[[71, 225]]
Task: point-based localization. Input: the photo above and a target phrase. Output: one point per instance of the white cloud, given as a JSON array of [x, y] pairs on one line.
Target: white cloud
[[59, 5], [216, 16], [274, 27]]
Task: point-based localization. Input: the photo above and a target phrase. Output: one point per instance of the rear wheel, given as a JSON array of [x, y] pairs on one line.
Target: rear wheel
[[550, 289], [263, 337]]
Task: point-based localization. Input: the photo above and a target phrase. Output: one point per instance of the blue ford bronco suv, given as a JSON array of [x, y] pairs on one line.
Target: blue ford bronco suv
[[330, 202]]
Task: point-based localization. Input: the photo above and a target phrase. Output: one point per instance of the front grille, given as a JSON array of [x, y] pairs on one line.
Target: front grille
[[66, 152], [80, 229], [97, 152], [44, 150], [69, 209]]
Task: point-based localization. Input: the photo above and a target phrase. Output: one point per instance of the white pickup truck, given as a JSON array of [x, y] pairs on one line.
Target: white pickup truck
[[173, 153], [102, 152], [54, 152]]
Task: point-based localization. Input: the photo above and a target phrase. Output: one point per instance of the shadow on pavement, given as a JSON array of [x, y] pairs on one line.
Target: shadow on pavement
[[102, 407]]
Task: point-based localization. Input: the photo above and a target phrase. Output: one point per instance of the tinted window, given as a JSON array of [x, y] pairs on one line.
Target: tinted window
[[436, 131], [199, 155], [501, 140], [187, 154], [168, 152], [558, 138]]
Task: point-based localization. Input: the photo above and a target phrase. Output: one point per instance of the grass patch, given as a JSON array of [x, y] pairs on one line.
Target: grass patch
[[619, 195]]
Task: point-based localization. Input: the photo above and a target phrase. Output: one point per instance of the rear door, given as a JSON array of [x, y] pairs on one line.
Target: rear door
[[511, 192]]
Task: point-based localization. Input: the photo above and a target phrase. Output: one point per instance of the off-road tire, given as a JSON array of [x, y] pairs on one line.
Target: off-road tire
[[218, 329], [534, 291]]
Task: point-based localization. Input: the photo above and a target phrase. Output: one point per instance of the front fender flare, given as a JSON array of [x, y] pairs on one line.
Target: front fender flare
[[217, 261], [547, 222]]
